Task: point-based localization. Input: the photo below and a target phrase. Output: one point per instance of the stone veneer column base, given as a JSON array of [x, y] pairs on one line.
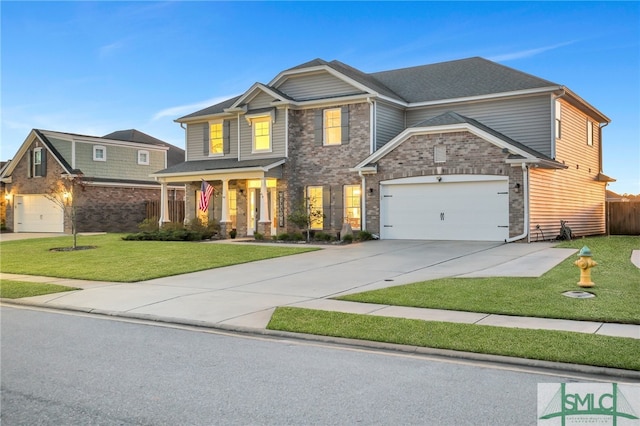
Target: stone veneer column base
[[225, 228], [265, 229]]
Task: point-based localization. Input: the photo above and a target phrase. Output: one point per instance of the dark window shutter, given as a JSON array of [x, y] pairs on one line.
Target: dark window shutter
[[43, 163], [205, 138], [344, 123], [30, 161], [326, 206], [338, 208], [226, 136], [318, 130]]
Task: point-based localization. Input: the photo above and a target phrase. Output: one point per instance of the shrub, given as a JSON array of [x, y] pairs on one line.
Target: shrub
[[283, 237], [297, 237], [258, 236], [149, 225], [208, 229], [364, 236], [233, 233], [348, 238], [323, 236]]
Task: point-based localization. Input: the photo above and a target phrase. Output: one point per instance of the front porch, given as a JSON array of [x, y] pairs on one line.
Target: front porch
[[247, 200]]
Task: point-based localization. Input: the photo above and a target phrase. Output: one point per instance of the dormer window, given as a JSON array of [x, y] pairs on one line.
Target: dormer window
[[143, 158], [99, 153]]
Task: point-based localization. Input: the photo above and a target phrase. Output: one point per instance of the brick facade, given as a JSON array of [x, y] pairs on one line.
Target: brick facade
[[99, 208], [311, 164], [466, 154]]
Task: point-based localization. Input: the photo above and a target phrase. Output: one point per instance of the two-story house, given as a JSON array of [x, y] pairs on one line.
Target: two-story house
[[113, 175], [461, 150]]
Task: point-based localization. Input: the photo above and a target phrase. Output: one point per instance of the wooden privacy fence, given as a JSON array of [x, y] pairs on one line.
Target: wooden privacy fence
[[176, 210], [624, 217]]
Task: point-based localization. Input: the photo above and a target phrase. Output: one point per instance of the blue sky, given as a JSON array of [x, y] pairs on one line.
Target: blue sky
[[96, 67]]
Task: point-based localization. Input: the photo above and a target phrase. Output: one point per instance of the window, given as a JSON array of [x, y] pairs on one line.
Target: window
[[143, 158], [215, 138], [99, 153], [332, 126], [589, 133], [261, 134], [440, 154], [38, 163], [314, 204], [352, 205], [233, 207], [558, 120]]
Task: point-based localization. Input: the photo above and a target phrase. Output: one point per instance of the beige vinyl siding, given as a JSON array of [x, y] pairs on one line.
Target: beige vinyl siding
[[389, 123], [122, 162], [573, 194], [526, 120], [277, 139], [316, 86], [63, 146]]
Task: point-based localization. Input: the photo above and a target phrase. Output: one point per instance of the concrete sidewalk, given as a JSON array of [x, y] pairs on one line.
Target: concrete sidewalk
[[243, 297]]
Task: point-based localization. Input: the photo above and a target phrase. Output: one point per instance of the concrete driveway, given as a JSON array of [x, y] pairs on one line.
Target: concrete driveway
[[245, 296]]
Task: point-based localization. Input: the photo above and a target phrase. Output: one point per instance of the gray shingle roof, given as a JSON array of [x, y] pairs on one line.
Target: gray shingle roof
[[175, 155], [457, 79], [213, 109], [217, 164]]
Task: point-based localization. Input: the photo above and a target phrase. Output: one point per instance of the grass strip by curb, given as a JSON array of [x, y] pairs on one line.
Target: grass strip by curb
[[546, 345], [10, 289]]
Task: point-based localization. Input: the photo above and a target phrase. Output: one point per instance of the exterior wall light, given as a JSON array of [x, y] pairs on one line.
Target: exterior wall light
[[516, 188]]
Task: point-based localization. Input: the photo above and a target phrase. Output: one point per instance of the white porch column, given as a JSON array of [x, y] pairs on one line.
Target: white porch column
[[224, 214], [164, 204], [264, 201]]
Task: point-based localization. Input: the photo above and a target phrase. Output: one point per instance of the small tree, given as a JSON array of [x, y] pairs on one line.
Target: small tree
[[64, 194], [305, 214]]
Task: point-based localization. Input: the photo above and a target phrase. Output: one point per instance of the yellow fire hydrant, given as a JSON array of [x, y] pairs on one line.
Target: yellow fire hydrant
[[585, 263]]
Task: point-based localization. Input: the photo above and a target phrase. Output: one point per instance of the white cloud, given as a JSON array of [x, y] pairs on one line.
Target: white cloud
[[527, 53], [180, 110]]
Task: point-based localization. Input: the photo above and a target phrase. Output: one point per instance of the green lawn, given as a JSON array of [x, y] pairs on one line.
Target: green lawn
[[10, 289], [617, 289], [127, 261], [556, 346]]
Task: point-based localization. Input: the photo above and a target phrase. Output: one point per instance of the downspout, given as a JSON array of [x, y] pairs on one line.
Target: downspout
[[372, 131], [239, 155], [185, 144], [525, 194], [553, 123], [600, 145], [363, 197]]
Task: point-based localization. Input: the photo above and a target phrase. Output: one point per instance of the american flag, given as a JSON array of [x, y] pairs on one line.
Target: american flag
[[205, 194]]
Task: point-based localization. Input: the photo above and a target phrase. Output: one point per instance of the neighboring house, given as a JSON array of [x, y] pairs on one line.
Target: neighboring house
[[113, 171], [460, 150]]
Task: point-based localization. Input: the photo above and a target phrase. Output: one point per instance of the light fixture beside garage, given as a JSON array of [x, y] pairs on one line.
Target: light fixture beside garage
[[516, 188], [439, 178]]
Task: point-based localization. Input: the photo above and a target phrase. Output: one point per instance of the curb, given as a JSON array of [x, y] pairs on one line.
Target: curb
[[558, 367]]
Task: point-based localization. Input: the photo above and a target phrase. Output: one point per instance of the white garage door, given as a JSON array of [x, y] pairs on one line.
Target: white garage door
[[453, 209], [37, 213]]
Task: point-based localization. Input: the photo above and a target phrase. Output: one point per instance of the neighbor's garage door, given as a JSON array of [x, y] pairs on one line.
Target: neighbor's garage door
[[37, 213], [447, 210]]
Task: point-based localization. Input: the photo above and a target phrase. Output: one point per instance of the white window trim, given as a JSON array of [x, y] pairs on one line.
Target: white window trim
[[558, 120], [35, 165], [324, 126], [309, 188], [264, 118], [344, 201], [104, 152], [589, 132], [221, 153], [140, 161]]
